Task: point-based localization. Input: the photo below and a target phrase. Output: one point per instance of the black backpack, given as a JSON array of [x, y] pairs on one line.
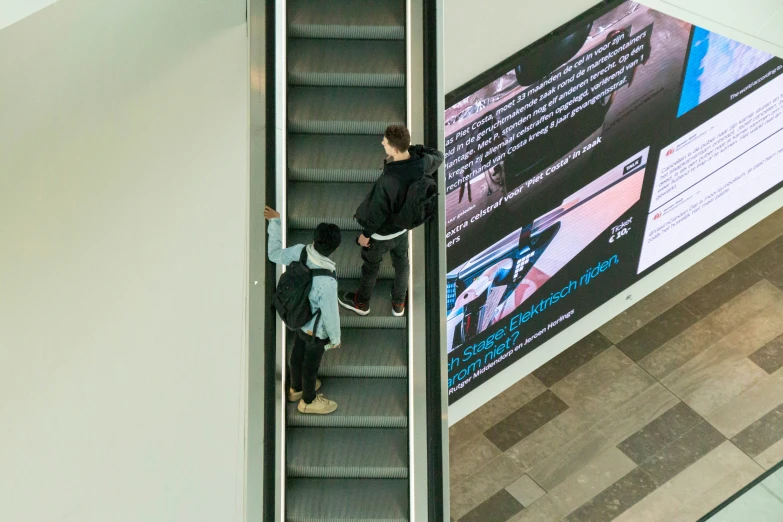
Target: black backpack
[[421, 203], [292, 296]]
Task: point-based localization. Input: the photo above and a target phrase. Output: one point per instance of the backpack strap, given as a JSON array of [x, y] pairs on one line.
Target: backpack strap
[[320, 272], [303, 256]]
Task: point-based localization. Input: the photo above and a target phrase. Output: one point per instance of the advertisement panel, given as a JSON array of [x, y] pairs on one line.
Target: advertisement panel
[[587, 160]]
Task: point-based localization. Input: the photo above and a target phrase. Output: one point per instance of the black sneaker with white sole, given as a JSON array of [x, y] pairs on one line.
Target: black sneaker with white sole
[[398, 309], [350, 300]]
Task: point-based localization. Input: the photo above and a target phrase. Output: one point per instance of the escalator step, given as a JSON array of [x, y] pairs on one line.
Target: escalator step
[[363, 19], [347, 453], [380, 315], [346, 63], [348, 257], [347, 500], [334, 158], [312, 203], [368, 353], [361, 403], [344, 110]]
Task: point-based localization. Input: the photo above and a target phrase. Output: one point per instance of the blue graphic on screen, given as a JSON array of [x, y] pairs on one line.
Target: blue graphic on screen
[[714, 63]]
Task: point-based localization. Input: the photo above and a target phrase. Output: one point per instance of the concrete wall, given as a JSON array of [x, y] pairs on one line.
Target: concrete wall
[[123, 204]]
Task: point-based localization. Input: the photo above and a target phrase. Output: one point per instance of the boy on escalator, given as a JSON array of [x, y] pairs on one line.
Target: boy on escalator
[[391, 209], [322, 332]]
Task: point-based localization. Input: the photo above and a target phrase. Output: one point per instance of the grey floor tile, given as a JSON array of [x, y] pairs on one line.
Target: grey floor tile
[[657, 332], [468, 457], [680, 454], [580, 353], [762, 434], [758, 236], [659, 433], [498, 508], [616, 499], [776, 278], [722, 289], [482, 484], [525, 420], [769, 259], [525, 490], [669, 295], [770, 356]]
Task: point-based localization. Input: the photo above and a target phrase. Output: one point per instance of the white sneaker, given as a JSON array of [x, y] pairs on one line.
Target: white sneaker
[[320, 406], [294, 396]]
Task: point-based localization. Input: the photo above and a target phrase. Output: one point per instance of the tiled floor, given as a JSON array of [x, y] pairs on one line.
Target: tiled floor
[[660, 414]]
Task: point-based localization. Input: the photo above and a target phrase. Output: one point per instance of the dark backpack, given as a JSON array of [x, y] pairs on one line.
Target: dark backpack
[[292, 296], [421, 203]]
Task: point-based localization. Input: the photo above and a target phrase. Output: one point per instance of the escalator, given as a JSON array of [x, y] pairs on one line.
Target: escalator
[[346, 81]]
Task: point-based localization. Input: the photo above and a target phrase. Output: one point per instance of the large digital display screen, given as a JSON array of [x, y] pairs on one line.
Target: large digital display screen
[[585, 161]]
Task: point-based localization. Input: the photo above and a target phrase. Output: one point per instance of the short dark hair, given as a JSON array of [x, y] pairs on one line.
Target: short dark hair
[[326, 238], [398, 137]]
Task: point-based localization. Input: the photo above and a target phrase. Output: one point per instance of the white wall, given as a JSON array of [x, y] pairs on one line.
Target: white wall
[[123, 200], [12, 11]]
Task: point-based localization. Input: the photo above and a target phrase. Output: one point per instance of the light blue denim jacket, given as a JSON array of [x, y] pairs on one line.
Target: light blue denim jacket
[[323, 294]]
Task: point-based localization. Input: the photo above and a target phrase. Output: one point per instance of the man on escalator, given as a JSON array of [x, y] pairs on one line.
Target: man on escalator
[[385, 208], [309, 345]]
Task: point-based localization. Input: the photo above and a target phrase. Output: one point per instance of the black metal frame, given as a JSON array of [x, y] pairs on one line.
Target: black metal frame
[[433, 306], [270, 338], [761, 478]]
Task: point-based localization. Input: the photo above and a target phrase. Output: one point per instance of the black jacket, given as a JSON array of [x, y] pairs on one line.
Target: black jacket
[[378, 209]]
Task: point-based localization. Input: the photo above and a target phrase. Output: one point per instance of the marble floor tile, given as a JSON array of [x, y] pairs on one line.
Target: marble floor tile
[[544, 509], [713, 497], [769, 259], [637, 413], [482, 484], [657, 332], [694, 482], [549, 439], [659, 433], [770, 457], [708, 331], [498, 508], [583, 384], [525, 420], [615, 499], [722, 289], [573, 358], [470, 456], [776, 278], [758, 236], [495, 411], [525, 490], [701, 381], [669, 295], [748, 407], [603, 471], [762, 434], [679, 455], [770, 356], [585, 447]]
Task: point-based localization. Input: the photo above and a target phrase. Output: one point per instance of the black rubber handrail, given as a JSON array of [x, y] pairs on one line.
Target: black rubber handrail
[[432, 255], [270, 337]]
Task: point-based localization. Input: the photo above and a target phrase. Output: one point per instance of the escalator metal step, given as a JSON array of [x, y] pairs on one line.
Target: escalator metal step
[[380, 315], [347, 453], [363, 19], [346, 63], [361, 403], [344, 110], [347, 500], [368, 353], [334, 158], [312, 203], [348, 257]]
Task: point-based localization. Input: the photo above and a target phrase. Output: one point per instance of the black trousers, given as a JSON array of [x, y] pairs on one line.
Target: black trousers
[[372, 257], [305, 361]]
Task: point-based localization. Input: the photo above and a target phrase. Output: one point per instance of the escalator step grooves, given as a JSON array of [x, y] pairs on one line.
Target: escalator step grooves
[[344, 110], [323, 500], [334, 158], [351, 19], [346, 63]]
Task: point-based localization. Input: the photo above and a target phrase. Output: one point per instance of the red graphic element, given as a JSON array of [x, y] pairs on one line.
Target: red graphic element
[[670, 152], [657, 216]]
